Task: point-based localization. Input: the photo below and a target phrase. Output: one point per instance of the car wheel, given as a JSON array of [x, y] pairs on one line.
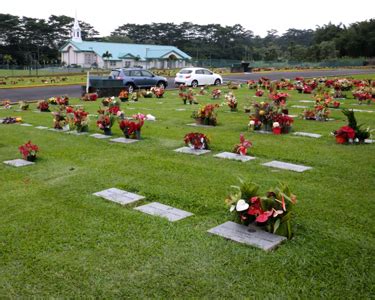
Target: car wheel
[[161, 84], [130, 87], [217, 82], [194, 84]]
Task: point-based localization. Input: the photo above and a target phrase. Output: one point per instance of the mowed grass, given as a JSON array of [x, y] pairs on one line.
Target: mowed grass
[[58, 240]]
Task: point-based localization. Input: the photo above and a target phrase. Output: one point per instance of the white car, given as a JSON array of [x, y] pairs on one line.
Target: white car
[[197, 76]]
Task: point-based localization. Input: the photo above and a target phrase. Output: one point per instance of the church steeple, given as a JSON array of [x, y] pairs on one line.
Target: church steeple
[[76, 31]]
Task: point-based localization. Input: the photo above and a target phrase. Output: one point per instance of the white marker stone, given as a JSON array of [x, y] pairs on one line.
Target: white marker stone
[[100, 136], [250, 235], [18, 163], [180, 109], [73, 132], [234, 156], [263, 131], [368, 141], [287, 166], [41, 127], [26, 124], [361, 110], [188, 150], [312, 135], [118, 196], [300, 106], [124, 140], [306, 101], [165, 211], [200, 125]]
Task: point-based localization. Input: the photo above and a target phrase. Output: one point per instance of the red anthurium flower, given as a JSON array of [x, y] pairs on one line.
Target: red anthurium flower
[[264, 216]]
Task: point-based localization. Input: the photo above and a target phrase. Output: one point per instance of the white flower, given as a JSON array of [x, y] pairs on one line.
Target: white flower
[[276, 124], [356, 140], [242, 205], [350, 141], [252, 123], [232, 208], [112, 98]]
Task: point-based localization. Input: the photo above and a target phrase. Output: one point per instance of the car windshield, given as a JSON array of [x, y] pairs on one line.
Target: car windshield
[[185, 71]]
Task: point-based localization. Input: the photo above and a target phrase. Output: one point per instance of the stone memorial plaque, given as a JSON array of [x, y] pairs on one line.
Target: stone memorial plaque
[[180, 109], [100, 136], [118, 196], [58, 130], [263, 131], [287, 166], [73, 132], [312, 135], [306, 101], [368, 141], [200, 125], [361, 110], [124, 140], [41, 127], [188, 150], [165, 211], [26, 124], [300, 106], [250, 235], [234, 156], [18, 163]]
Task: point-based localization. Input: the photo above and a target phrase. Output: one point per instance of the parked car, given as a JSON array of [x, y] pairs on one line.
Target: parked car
[[138, 78], [197, 76]]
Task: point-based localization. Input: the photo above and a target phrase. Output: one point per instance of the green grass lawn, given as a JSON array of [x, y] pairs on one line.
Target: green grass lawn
[[58, 240]]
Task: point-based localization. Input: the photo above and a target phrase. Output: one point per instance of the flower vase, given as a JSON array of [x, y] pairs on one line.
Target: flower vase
[[124, 99], [138, 134], [83, 128], [286, 129], [184, 101], [285, 111], [340, 140], [31, 158], [107, 131], [268, 127], [206, 121], [276, 130]]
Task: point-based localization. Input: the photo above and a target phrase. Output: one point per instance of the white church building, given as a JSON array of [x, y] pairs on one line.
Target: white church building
[[116, 55]]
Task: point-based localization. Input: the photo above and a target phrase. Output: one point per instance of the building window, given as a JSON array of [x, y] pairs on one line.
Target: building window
[[112, 63], [89, 59], [127, 64]]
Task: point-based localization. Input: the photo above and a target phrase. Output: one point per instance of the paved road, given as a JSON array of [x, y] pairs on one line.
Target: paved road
[[38, 93]]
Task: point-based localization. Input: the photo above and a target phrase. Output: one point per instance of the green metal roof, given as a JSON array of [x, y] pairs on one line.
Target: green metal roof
[[125, 50]]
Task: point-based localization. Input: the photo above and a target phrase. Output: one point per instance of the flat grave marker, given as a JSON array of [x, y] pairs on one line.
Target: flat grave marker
[[263, 131], [100, 136], [124, 140], [362, 110], [249, 235], [234, 156], [26, 124], [300, 106], [307, 101], [18, 163], [41, 127], [369, 141], [287, 166], [119, 196], [200, 125], [188, 150], [308, 134], [165, 211]]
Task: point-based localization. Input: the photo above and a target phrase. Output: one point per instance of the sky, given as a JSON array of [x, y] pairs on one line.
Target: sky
[[258, 16]]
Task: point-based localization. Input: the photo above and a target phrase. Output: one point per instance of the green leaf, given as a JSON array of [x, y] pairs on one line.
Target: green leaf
[[276, 225]]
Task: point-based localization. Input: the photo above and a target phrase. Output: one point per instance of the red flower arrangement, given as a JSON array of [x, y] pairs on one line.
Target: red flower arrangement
[[196, 140], [272, 212], [90, 97], [28, 151], [124, 95], [231, 101], [62, 100], [259, 93], [158, 91], [215, 94], [279, 98], [242, 147], [206, 115], [132, 129], [43, 105]]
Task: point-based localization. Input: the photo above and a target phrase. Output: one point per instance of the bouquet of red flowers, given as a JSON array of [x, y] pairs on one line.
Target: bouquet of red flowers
[[43, 105], [242, 147], [216, 94], [105, 121], [231, 101], [279, 98], [28, 151], [132, 129], [206, 115], [80, 120], [124, 95], [62, 100], [196, 140], [259, 93], [158, 91], [272, 212], [90, 97]]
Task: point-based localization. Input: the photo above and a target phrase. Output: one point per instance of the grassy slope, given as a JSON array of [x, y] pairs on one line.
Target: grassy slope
[[56, 239]]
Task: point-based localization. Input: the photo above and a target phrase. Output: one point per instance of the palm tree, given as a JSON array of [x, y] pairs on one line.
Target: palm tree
[[107, 55], [8, 59]]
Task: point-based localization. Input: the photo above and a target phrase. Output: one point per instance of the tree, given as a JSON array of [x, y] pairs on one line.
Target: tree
[[106, 55], [8, 59]]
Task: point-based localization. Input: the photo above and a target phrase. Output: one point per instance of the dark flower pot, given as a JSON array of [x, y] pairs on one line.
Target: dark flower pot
[[124, 99], [184, 101], [31, 158], [285, 111], [107, 131]]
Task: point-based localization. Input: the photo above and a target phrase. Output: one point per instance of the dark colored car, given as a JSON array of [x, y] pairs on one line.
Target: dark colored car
[[138, 78]]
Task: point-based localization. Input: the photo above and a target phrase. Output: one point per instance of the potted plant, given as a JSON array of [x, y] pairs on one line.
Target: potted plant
[[206, 115], [231, 101], [272, 212], [132, 129], [197, 141], [78, 119], [29, 151], [105, 121], [242, 147], [215, 94]]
